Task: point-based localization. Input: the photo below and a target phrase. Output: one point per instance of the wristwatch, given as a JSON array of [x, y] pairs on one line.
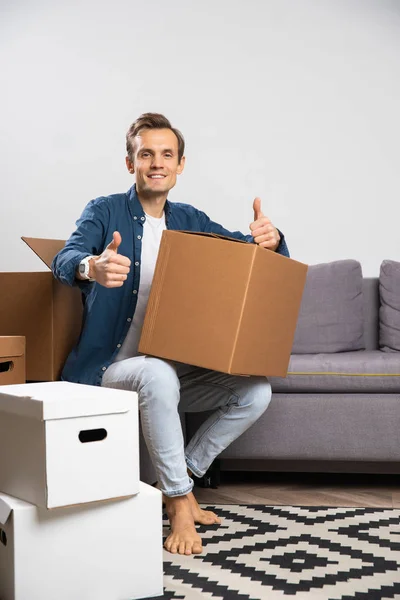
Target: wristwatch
[[83, 268]]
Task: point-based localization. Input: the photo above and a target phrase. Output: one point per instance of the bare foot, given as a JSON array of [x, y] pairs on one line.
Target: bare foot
[[204, 517], [183, 538]]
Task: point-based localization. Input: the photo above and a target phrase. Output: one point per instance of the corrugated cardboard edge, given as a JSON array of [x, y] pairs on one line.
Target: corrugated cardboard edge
[[242, 309], [155, 296], [211, 235]]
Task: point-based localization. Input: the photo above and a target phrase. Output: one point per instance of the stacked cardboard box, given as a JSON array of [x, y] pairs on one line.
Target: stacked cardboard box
[[75, 521], [12, 359]]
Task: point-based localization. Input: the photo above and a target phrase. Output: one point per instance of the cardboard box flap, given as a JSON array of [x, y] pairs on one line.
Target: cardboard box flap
[[44, 249], [64, 400], [8, 504], [5, 510], [213, 235], [12, 345]]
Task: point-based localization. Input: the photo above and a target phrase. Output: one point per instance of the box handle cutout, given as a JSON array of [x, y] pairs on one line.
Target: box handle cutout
[[8, 365], [3, 537], [92, 435]]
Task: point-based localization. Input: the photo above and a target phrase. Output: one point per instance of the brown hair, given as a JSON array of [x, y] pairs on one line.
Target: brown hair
[[152, 121]]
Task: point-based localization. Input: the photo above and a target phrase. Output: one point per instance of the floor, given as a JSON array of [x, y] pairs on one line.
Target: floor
[[304, 489]]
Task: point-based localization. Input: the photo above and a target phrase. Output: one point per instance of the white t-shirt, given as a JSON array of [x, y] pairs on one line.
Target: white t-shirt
[[152, 232]]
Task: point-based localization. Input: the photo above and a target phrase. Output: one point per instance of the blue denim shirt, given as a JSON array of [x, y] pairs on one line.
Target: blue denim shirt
[[108, 312]]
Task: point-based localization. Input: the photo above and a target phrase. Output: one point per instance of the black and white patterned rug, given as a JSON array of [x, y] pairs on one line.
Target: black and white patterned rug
[[271, 553]]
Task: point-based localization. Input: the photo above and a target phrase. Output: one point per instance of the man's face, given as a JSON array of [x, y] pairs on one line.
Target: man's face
[[155, 162]]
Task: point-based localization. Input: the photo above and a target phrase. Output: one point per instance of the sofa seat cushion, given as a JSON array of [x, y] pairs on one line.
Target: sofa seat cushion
[[389, 312], [363, 371]]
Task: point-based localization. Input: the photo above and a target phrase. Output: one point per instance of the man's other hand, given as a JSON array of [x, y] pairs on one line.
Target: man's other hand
[[110, 268], [262, 230]]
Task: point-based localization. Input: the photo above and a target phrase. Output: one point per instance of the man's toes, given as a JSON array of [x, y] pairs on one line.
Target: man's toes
[[216, 519], [171, 545], [211, 518], [181, 549], [213, 515], [209, 521], [188, 548], [197, 548]]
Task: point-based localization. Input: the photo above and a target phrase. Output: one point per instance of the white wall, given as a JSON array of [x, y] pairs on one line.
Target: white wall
[[297, 101]]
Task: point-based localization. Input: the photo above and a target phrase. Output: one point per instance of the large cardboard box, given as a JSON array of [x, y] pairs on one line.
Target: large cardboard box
[[223, 304], [63, 443], [106, 551], [46, 312], [12, 359]]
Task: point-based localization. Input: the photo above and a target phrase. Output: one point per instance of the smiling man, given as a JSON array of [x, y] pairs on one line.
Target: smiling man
[[112, 255]]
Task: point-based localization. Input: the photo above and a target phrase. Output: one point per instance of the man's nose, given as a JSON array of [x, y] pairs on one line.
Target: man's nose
[[157, 162]]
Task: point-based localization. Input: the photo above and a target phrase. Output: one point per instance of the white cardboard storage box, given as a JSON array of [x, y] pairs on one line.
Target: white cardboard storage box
[[64, 443], [102, 551]]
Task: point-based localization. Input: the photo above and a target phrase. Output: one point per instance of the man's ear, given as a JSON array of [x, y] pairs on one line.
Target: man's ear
[[181, 165], [129, 165]]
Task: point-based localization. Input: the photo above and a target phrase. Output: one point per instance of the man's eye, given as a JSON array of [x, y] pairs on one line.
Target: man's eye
[[168, 155]]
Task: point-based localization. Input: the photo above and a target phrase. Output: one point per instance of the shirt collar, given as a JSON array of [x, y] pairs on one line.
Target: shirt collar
[[137, 208]]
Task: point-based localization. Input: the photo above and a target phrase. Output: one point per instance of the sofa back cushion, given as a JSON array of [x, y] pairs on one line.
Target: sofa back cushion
[[389, 311], [331, 317], [371, 312]]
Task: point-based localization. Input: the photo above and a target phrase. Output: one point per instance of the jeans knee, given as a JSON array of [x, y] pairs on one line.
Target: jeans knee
[[159, 384], [260, 395]]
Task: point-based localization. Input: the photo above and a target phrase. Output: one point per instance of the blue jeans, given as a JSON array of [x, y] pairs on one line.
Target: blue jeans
[[162, 387]]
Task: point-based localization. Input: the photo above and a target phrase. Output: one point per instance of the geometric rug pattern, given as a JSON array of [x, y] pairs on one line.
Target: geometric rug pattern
[[270, 553]]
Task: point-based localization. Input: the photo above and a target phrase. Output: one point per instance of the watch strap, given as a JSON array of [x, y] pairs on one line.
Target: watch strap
[[84, 267]]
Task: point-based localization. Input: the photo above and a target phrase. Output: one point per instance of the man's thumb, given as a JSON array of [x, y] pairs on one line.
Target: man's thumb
[[116, 241], [257, 209]]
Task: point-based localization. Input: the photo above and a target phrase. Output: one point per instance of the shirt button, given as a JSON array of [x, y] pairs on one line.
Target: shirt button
[[134, 292], [139, 237], [135, 218], [142, 218], [103, 368], [129, 319], [118, 345], [136, 264]]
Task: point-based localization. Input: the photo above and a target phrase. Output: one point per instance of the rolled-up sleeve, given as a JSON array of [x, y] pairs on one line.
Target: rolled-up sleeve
[[282, 247]]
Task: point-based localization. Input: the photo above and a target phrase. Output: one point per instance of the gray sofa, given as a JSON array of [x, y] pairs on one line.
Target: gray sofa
[[338, 409]]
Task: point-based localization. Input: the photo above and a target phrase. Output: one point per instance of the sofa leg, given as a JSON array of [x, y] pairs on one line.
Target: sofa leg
[[211, 478]]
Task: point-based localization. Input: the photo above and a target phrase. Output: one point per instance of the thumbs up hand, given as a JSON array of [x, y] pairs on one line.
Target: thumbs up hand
[[115, 242], [262, 230], [110, 268]]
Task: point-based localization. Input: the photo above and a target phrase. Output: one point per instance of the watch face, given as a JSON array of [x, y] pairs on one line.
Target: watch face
[[81, 268]]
